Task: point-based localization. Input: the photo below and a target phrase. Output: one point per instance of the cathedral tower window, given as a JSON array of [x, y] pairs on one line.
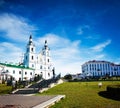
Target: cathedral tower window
[[48, 74], [40, 67], [13, 71], [32, 57], [32, 49], [48, 60], [32, 65], [19, 72]]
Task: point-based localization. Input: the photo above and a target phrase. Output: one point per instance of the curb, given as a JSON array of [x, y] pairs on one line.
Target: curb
[[50, 102]]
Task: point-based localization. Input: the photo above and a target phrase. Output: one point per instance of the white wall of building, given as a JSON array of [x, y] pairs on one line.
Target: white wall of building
[[16, 72], [33, 64], [100, 68], [41, 62]]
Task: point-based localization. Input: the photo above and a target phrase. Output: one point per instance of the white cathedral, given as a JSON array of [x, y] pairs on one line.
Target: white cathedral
[[33, 64]]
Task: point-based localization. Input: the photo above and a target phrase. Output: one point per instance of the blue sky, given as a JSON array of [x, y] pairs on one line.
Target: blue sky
[[76, 30]]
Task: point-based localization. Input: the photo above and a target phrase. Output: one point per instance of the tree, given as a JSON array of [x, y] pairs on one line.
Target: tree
[[68, 77]]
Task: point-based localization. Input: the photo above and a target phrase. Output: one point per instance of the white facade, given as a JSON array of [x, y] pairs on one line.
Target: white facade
[[33, 64], [17, 72], [41, 62], [100, 68]]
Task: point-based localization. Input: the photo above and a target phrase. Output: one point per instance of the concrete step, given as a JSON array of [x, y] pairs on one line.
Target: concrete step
[[27, 91], [50, 102]]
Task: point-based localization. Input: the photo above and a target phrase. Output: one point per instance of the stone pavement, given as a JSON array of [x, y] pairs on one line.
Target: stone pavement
[[22, 101], [24, 98]]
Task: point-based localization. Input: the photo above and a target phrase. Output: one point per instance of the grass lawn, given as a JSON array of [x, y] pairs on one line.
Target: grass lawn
[[4, 89], [83, 95]]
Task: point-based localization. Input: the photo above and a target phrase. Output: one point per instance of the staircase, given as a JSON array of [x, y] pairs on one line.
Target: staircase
[[34, 88]]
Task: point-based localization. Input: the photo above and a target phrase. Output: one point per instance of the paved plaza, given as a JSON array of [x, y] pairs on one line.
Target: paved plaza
[[22, 101]]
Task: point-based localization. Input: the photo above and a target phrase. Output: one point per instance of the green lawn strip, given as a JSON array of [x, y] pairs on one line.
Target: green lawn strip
[[4, 89], [83, 95]]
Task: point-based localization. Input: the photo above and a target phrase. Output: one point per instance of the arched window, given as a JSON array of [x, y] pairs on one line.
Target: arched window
[[32, 49], [48, 74], [32, 65], [32, 58], [40, 67]]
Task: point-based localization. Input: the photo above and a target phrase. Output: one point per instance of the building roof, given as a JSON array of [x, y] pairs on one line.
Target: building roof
[[102, 61], [15, 66]]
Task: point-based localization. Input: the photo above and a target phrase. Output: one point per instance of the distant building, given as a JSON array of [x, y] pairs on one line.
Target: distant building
[[33, 64], [77, 76], [100, 68]]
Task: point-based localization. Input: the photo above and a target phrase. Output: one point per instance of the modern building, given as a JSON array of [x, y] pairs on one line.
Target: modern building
[[33, 64], [100, 68]]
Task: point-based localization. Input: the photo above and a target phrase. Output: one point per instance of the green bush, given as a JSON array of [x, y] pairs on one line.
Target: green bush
[[68, 77], [113, 90], [4, 89]]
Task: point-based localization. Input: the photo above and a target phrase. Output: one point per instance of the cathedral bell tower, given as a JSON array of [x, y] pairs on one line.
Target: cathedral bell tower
[[29, 56], [47, 71]]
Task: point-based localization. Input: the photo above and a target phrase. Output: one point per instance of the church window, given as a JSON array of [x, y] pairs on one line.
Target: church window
[[32, 65], [48, 74], [13, 71], [32, 49], [25, 73], [48, 60], [19, 79], [7, 71], [19, 72], [32, 57], [40, 67], [30, 73]]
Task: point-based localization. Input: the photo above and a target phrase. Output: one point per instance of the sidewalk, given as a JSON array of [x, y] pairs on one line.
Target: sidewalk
[[21, 101]]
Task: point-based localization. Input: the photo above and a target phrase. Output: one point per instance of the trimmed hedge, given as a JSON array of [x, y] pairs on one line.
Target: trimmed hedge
[[114, 90]]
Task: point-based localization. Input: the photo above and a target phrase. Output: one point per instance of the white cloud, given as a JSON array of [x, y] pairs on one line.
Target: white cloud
[[101, 46], [67, 56], [10, 52], [65, 53], [15, 27]]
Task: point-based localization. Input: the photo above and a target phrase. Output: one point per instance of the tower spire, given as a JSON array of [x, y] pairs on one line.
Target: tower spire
[[30, 40], [45, 46]]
